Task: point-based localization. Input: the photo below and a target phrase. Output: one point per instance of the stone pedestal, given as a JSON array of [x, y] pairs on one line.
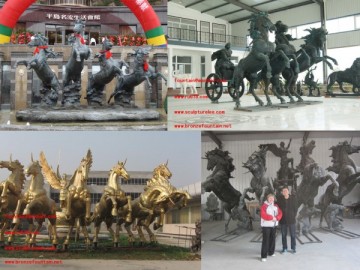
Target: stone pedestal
[[21, 78], [161, 60]]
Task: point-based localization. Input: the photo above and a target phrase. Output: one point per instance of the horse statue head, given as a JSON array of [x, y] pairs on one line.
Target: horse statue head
[[119, 170], [219, 159], [256, 163], [107, 44], [82, 171], [316, 37], [260, 24], [38, 40], [356, 65], [37, 180], [10, 189], [17, 176], [79, 26], [341, 156], [162, 171]]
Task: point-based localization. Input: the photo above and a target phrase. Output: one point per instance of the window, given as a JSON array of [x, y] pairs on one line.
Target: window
[[182, 63], [181, 28], [341, 25], [205, 32], [219, 32], [95, 197], [54, 33]]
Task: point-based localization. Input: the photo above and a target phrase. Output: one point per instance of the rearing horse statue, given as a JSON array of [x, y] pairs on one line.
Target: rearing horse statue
[[109, 68], [218, 182], [35, 205], [260, 183], [10, 191], [258, 58], [73, 68], [111, 201], [50, 84], [307, 56], [124, 91], [74, 192]]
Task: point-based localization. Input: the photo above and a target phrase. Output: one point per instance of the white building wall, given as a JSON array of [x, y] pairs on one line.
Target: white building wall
[[241, 146], [188, 13], [195, 53], [340, 8]]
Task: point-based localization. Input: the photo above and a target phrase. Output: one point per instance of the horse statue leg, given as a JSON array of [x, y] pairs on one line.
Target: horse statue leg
[[253, 78], [151, 235], [16, 220], [129, 213], [275, 80], [67, 239], [84, 231], [39, 222]]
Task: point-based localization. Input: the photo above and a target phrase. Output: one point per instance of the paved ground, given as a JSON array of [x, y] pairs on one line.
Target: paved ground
[[333, 253], [101, 264], [198, 113]]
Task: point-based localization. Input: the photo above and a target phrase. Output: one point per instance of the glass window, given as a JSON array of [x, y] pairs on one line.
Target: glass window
[[341, 24], [219, 32], [183, 64], [181, 28], [205, 32]]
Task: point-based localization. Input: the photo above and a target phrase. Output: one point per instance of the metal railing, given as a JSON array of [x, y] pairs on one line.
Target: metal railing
[[204, 37]]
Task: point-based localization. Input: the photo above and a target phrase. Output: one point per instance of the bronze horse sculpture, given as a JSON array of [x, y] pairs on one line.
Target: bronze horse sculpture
[[143, 71], [350, 75], [218, 182], [260, 183], [50, 84], [109, 69], [75, 194], [73, 68], [151, 203], [10, 191], [35, 205], [307, 56], [258, 58], [111, 201], [348, 175]]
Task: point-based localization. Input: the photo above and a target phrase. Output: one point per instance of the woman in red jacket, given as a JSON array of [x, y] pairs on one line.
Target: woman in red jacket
[[270, 216]]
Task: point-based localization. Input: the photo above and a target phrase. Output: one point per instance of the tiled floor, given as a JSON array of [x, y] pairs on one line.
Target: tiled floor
[[333, 253], [198, 113]]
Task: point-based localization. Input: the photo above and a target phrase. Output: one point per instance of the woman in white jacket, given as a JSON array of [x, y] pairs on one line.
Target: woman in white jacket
[[270, 216]]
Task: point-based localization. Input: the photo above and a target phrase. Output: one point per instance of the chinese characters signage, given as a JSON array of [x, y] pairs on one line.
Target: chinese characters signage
[[71, 17]]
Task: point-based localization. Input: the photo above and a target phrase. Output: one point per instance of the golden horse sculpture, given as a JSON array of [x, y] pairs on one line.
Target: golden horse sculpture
[[111, 201], [35, 204], [74, 195], [10, 191], [153, 203]]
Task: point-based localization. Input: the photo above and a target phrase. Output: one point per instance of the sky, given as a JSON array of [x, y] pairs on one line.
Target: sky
[[143, 150]]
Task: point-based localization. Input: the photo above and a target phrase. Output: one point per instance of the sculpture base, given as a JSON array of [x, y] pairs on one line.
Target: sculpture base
[[86, 114], [275, 106]]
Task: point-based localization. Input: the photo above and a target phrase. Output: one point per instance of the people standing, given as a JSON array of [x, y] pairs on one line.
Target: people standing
[[270, 215], [288, 205]]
